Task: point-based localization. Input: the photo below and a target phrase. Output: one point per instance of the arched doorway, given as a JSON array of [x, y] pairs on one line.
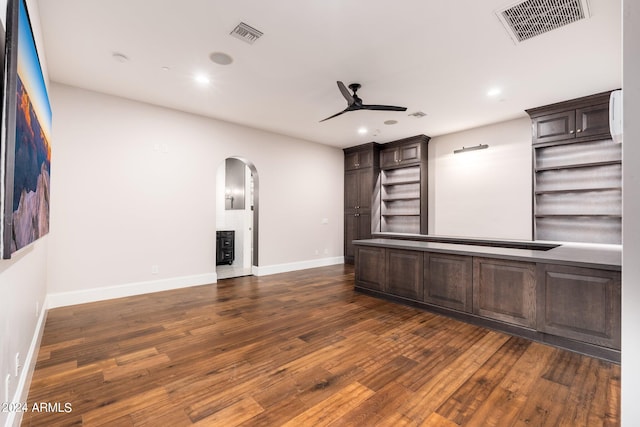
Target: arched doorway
[[237, 215]]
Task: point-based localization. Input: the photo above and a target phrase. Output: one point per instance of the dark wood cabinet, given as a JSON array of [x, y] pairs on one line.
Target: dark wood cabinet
[[401, 154], [404, 273], [505, 290], [370, 268], [580, 303], [358, 159], [225, 247], [358, 189], [361, 171], [448, 281], [580, 119], [578, 308]]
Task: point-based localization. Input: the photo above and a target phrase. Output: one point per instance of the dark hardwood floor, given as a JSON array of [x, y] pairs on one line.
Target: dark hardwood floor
[[302, 349]]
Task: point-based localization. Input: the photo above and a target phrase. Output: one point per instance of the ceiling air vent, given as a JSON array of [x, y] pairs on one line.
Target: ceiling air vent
[[531, 18], [246, 33]]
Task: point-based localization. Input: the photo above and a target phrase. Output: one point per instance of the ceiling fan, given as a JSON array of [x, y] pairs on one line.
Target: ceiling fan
[[355, 103]]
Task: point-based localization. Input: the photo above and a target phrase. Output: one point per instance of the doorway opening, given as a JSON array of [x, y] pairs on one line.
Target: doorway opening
[[237, 207]]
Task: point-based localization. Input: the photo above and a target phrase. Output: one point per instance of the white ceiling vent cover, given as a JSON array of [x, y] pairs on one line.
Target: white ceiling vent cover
[[531, 18], [246, 33]]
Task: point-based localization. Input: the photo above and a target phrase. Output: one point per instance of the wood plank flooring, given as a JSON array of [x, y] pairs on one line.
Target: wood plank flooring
[[302, 349]]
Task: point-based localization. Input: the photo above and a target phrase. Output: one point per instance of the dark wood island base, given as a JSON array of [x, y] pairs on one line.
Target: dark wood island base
[[568, 296]]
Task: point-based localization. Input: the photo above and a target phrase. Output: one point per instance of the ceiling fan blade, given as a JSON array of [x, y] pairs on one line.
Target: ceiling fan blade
[[345, 92], [383, 108], [335, 115]]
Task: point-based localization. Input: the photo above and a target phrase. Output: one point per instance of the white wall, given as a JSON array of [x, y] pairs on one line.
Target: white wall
[[631, 215], [134, 186], [484, 193], [22, 290]]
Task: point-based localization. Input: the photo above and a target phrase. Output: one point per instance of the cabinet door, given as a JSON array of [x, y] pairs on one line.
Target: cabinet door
[[350, 234], [351, 190], [448, 281], [505, 290], [358, 188], [409, 153], [358, 159], [363, 225], [389, 158], [370, 268], [580, 303], [365, 189], [404, 273], [554, 127], [593, 120]]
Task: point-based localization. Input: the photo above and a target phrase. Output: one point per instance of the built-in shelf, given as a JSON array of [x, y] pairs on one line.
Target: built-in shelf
[[576, 177], [579, 165], [401, 199], [578, 215], [579, 190], [414, 181]]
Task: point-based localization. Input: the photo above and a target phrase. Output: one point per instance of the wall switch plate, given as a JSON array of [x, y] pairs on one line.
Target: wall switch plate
[[325, 221], [155, 269]]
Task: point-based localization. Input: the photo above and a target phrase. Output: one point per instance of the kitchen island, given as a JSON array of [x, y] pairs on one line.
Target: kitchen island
[[568, 295]]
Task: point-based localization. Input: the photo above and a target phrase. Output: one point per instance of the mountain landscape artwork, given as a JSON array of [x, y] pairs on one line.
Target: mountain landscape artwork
[[32, 151]]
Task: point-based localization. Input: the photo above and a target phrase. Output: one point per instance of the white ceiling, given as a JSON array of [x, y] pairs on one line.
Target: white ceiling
[[438, 57]]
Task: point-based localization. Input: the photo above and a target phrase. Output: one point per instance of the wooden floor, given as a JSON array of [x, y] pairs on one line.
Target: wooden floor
[[302, 349]]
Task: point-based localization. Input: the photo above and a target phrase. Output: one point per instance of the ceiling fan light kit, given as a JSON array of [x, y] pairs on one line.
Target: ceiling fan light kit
[[354, 102]]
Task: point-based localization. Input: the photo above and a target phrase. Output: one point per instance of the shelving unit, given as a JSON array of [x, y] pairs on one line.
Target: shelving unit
[[400, 198], [578, 192], [577, 168]]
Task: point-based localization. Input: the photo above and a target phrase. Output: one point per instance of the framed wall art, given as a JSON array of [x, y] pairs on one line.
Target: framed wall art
[[26, 137]]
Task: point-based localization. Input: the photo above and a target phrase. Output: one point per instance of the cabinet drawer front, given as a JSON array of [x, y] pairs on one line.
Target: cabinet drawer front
[[505, 290], [448, 281], [580, 303]]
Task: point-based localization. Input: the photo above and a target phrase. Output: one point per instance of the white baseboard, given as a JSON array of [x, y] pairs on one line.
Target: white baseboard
[[24, 380], [293, 266], [62, 299]]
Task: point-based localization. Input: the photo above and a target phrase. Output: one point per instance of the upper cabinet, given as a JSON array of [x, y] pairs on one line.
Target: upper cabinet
[[358, 159], [577, 120], [406, 153]]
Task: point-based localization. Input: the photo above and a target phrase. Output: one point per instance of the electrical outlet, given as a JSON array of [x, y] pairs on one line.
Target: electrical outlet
[[18, 365]]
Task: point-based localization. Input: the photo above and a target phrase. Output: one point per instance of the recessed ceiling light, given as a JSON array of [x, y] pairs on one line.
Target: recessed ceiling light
[[220, 58], [390, 122], [362, 130], [120, 57], [202, 79], [494, 92], [165, 68]]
